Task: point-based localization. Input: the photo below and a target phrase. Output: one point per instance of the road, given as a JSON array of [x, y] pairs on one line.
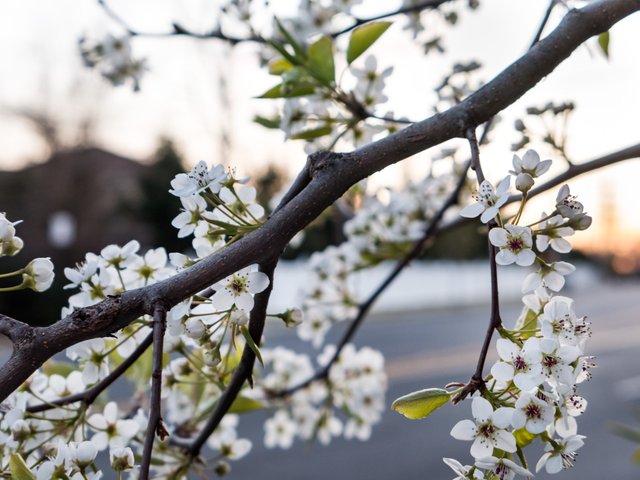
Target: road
[[430, 349]]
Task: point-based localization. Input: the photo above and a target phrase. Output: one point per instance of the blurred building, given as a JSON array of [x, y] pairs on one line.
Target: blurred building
[[79, 201]]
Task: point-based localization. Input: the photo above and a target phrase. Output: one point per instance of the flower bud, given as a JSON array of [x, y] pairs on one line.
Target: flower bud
[[581, 221], [85, 453], [524, 182], [21, 430], [121, 459], [38, 275]]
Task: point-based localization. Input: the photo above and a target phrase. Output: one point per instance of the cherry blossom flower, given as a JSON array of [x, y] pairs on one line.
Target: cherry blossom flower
[[488, 431], [238, 289], [462, 471], [110, 430], [567, 204], [551, 233], [280, 430], [520, 365], [502, 468], [488, 202], [120, 257], [193, 208], [527, 168], [9, 243], [199, 179], [514, 243], [550, 276], [532, 413], [557, 360], [561, 454]]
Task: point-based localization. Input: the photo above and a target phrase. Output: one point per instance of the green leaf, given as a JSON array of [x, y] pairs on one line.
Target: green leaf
[[312, 133], [321, 60], [523, 437], [245, 404], [291, 90], [421, 403], [279, 66], [292, 41], [252, 344], [363, 37], [19, 469], [527, 323], [603, 41], [267, 122]]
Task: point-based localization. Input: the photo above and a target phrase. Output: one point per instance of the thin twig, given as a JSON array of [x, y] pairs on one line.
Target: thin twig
[[477, 382], [543, 23], [364, 307], [88, 396], [155, 427]]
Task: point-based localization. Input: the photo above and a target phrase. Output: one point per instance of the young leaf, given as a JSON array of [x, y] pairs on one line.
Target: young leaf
[[523, 437], [267, 122], [312, 133], [279, 66], [603, 41], [292, 90], [245, 404], [292, 41], [421, 403], [19, 469], [363, 37], [252, 344], [321, 60]]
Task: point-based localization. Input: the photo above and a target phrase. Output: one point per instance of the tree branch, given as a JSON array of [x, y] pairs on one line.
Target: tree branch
[[155, 426], [330, 179]]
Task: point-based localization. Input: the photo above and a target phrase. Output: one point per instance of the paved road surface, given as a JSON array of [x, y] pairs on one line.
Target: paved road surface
[[434, 348]]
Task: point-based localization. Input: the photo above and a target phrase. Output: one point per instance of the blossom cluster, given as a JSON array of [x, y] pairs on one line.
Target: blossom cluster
[[113, 58], [532, 390]]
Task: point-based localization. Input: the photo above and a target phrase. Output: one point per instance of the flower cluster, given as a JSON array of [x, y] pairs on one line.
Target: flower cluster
[[113, 58], [354, 385], [37, 275], [532, 391]]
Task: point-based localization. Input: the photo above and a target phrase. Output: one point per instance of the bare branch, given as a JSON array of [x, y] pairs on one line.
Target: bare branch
[[330, 178], [155, 426]]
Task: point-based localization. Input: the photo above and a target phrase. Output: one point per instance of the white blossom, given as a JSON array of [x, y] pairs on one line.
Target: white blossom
[[488, 201]]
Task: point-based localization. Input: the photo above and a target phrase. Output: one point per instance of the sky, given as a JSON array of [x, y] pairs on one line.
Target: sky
[[180, 95]]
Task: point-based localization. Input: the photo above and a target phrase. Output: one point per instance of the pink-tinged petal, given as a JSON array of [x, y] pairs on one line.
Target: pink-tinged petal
[[244, 302], [481, 409], [505, 257], [554, 281], [542, 242], [498, 237], [525, 258], [470, 211], [258, 281], [531, 282], [560, 245], [502, 417], [505, 441], [464, 430], [481, 448], [502, 371]]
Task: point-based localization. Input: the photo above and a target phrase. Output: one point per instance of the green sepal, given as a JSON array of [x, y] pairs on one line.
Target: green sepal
[[421, 403], [312, 133], [245, 404], [19, 469], [252, 344], [363, 37], [524, 437], [603, 41], [321, 62], [290, 90]]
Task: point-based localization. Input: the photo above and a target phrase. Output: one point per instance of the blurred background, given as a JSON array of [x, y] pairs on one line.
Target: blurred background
[[85, 164]]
